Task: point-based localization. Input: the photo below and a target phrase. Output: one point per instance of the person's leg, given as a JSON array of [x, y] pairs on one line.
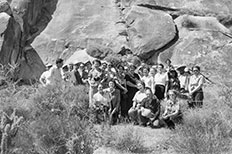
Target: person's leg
[[159, 91], [141, 119], [133, 115], [169, 123], [199, 96]]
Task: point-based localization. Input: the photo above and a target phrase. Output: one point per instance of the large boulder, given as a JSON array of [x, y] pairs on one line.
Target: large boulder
[[204, 6], [199, 37], [4, 19], [27, 20], [82, 22], [149, 31]]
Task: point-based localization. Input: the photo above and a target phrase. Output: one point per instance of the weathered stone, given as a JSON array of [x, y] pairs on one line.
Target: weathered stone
[[28, 19], [149, 31], [4, 19], [199, 38], [83, 22]]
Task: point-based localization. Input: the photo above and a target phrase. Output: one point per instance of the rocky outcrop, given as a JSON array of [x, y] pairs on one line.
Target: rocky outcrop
[[27, 20], [85, 24], [149, 31], [105, 26], [199, 37]]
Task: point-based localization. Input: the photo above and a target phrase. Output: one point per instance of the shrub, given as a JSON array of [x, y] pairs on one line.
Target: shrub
[[204, 131], [57, 121], [122, 138]]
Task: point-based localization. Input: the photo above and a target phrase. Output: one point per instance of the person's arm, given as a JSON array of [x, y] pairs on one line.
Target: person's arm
[[120, 86], [199, 86], [166, 85], [118, 97], [177, 108]]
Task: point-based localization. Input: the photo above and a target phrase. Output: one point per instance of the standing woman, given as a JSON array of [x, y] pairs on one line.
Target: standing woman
[[152, 74], [121, 85], [114, 102], [161, 82], [196, 82], [131, 81], [94, 78]]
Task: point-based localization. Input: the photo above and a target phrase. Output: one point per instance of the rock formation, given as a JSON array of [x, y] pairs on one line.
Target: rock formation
[[27, 19], [150, 29]]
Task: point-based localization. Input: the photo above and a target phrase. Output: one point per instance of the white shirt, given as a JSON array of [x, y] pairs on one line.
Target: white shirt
[[195, 81], [44, 78], [139, 96], [55, 76], [147, 80], [161, 78], [182, 80], [101, 99]]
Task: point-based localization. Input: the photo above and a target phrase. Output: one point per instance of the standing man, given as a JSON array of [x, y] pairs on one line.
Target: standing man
[[161, 82]]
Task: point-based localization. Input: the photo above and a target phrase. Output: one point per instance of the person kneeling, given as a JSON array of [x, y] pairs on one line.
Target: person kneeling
[[172, 112], [149, 110]]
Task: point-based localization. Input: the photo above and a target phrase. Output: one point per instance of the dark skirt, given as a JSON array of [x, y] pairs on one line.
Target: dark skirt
[[159, 91]]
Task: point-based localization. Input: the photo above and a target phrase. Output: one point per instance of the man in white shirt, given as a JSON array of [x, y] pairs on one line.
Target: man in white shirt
[[53, 76], [161, 82]]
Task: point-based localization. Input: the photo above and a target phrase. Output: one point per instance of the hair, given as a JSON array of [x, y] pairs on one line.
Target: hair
[[147, 88], [147, 68], [59, 60], [175, 74], [197, 67], [168, 60], [161, 65], [65, 67], [112, 80], [97, 61], [121, 67], [142, 83], [174, 91]]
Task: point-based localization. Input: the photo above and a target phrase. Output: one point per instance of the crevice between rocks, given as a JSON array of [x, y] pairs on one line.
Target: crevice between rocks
[[168, 45]]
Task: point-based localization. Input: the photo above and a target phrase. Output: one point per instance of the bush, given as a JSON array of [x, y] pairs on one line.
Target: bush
[[204, 131], [122, 138], [58, 119]]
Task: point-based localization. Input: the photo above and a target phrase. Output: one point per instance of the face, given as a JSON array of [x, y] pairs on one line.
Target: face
[[195, 71], [104, 66], [145, 72], [120, 69], [168, 62], [149, 93], [82, 66], [100, 88], [159, 68], [59, 65], [111, 84], [140, 86], [96, 64], [172, 95], [71, 66]]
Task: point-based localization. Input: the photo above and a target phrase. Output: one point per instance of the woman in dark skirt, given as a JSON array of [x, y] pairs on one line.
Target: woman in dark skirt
[[131, 81], [121, 85]]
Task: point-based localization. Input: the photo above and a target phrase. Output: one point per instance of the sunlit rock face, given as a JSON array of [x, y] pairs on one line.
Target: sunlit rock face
[[34, 32]]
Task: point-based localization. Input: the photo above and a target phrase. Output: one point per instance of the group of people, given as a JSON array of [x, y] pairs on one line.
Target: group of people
[[131, 91]]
